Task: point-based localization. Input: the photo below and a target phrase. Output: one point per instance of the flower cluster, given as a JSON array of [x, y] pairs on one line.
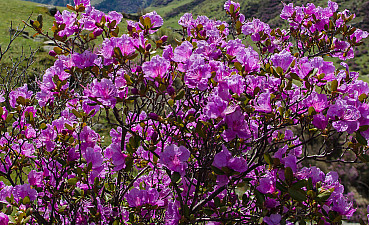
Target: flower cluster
[[213, 130]]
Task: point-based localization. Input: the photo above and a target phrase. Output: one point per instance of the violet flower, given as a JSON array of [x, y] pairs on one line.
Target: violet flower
[[175, 158]]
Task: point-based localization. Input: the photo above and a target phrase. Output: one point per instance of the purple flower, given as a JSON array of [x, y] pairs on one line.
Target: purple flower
[[88, 138], [172, 215], [266, 184], [347, 115], [114, 16], [90, 18], [21, 191], [84, 60], [320, 121], [104, 91], [186, 20], [228, 4], [114, 152], [359, 35], [157, 67], [235, 121], [124, 43], [4, 219], [175, 158], [19, 92], [222, 158], [183, 52], [83, 2], [254, 28], [262, 103], [138, 197], [93, 156], [69, 19], [282, 59], [287, 11], [198, 74], [216, 107], [343, 207], [35, 178], [273, 219], [249, 59], [323, 67], [47, 137], [168, 52], [234, 46], [236, 84], [156, 20], [317, 101]]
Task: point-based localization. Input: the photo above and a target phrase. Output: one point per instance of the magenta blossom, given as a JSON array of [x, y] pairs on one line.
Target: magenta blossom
[[157, 67], [175, 158], [4, 219], [273, 219], [104, 92], [19, 92], [225, 159]]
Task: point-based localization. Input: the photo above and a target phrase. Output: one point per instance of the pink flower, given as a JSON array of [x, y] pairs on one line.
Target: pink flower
[[175, 158], [4, 219], [157, 67], [19, 92], [273, 219], [35, 178], [225, 159]]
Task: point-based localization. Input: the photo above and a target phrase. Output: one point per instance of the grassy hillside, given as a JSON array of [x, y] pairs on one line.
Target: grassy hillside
[[13, 12]]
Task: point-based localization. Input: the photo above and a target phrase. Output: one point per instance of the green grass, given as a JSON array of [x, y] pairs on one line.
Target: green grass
[[13, 13]]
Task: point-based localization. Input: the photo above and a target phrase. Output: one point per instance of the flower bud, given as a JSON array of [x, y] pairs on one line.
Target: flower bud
[[148, 47], [154, 136], [164, 38], [153, 116], [52, 53], [138, 69], [134, 91], [170, 90]]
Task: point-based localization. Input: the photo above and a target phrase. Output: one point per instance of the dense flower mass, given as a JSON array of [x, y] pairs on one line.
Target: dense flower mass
[[212, 131]]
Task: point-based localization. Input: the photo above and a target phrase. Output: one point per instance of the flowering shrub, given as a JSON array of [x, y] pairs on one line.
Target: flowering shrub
[[212, 131]]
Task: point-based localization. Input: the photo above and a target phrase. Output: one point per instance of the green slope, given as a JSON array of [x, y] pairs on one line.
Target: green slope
[[14, 12]]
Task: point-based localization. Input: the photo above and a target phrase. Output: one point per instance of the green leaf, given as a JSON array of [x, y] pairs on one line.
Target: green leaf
[[231, 8], [299, 184], [281, 187], [288, 175], [362, 97], [323, 196], [26, 200], [294, 76], [297, 194], [72, 181], [69, 127], [361, 139], [238, 66], [260, 198], [180, 95], [62, 208], [217, 170], [128, 79], [268, 158], [334, 85], [9, 117], [175, 177], [76, 113]]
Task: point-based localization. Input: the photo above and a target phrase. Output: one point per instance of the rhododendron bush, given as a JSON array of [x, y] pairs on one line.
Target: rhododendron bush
[[214, 130]]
